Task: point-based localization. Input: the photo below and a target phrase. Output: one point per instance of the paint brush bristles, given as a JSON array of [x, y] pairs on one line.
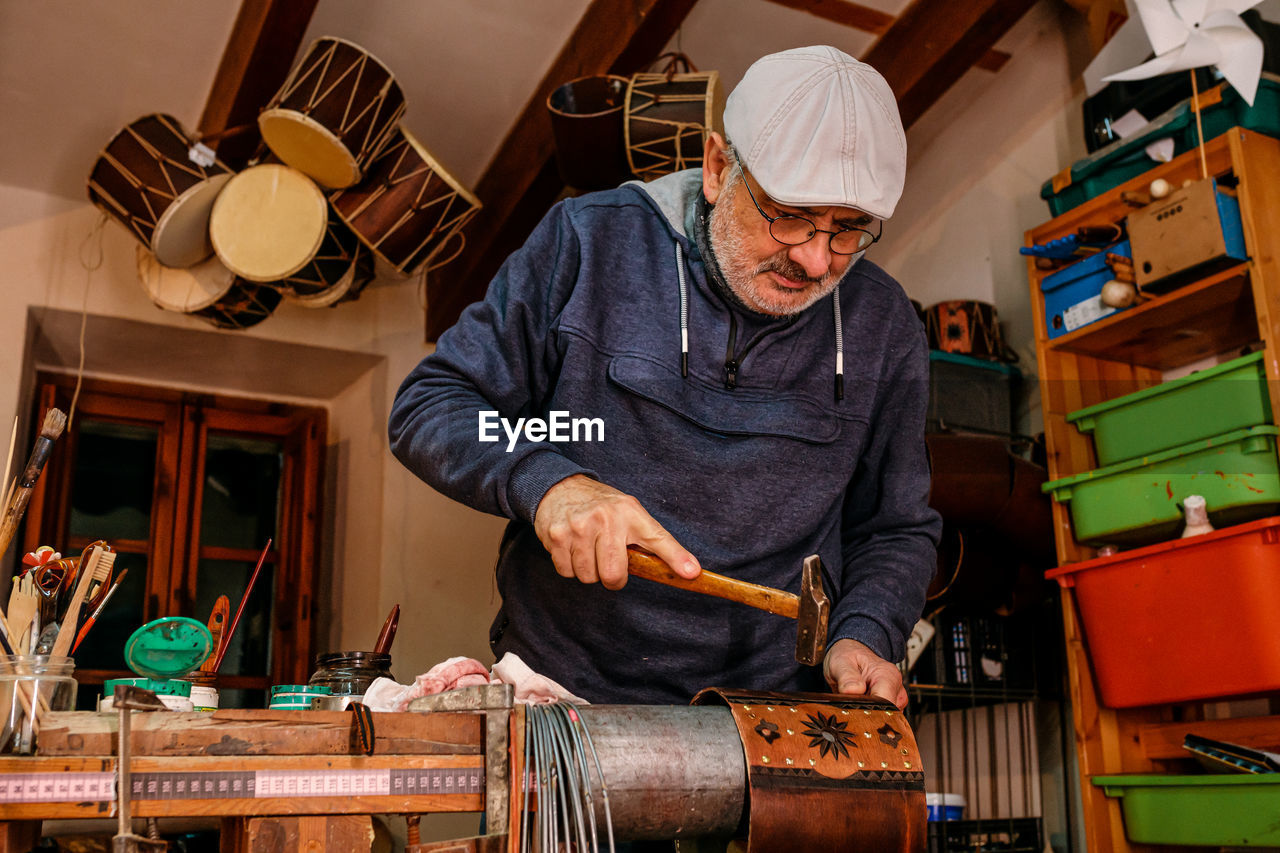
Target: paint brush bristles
[[55, 421]]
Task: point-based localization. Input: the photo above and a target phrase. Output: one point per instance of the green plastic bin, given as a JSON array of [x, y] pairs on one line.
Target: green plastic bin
[[1237, 810], [1228, 397], [1124, 159], [1138, 502]]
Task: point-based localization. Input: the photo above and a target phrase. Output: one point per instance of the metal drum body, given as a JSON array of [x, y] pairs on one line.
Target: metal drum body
[[668, 118], [146, 180], [207, 290], [338, 108], [269, 222], [409, 207]]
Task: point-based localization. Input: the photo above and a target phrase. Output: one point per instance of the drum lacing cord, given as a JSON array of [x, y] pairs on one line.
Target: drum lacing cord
[[92, 262]]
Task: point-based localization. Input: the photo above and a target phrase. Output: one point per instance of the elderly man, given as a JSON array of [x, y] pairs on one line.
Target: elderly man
[[750, 391]]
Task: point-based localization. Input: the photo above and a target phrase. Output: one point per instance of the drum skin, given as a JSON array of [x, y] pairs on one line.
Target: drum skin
[[268, 222], [333, 114], [408, 208], [145, 180], [827, 773]]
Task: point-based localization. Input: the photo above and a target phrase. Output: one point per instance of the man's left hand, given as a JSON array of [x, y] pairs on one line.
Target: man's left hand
[[852, 668]]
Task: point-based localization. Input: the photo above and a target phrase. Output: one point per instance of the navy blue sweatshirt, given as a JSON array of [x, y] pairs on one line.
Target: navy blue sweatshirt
[[585, 319]]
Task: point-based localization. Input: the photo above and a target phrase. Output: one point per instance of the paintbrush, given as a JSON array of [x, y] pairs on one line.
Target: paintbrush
[[55, 421], [93, 617], [388, 633], [226, 638]]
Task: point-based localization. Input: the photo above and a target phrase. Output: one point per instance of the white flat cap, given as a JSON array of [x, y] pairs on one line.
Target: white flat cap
[[816, 127]]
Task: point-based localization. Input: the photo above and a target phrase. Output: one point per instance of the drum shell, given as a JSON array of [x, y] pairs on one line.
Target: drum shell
[[145, 180], [587, 118], [408, 207], [968, 327], [339, 87], [668, 117]]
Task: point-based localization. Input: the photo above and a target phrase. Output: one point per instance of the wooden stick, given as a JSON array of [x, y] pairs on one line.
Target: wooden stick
[[55, 421], [387, 635], [226, 638], [8, 464]]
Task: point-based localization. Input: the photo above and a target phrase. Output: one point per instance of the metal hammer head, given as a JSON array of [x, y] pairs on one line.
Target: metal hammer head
[[815, 608]]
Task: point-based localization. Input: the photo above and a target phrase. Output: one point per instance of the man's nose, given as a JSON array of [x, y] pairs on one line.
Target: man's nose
[[814, 255]]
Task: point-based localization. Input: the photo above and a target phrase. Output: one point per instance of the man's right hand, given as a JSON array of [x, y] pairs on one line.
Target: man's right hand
[[587, 526]]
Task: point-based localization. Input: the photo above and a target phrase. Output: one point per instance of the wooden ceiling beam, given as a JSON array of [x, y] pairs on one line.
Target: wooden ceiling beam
[[933, 42], [259, 53], [520, 183]]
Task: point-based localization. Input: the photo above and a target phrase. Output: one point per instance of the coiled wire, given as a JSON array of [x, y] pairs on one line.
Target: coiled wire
[[556, 745]]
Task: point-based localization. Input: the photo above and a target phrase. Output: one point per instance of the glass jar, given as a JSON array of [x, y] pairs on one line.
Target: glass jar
[[30, 687], [350, 673]]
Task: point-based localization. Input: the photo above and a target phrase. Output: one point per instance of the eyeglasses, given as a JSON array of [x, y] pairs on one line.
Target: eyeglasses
[[793, 230]]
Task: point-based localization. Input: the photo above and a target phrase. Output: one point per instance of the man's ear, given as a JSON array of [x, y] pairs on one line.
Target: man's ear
[[715, 166]]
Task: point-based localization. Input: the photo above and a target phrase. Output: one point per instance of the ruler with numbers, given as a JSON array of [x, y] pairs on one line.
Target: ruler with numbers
[[74, 787]]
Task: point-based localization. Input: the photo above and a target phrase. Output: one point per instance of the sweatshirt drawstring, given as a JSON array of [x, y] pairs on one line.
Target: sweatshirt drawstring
[[835, 304], [684, 313]]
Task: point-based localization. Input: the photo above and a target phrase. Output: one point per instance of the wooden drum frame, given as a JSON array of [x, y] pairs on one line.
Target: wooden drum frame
[[146, 180], [335, 112], [207, 290], [409, 207], [668, 118]]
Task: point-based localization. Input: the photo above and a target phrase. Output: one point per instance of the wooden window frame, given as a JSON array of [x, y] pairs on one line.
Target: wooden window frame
[[183, 420]]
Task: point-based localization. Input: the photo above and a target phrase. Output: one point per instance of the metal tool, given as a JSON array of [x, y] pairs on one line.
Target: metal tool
[[127, 700], [811, 608]]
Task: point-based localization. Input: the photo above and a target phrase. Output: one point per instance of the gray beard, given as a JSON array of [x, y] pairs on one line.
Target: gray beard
[[729, 243]]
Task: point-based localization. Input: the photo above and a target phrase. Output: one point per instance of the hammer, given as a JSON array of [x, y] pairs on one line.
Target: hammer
[[810, 608]]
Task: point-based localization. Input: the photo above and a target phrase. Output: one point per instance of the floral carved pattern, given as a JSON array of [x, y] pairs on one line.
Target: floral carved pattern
[[768, 731], [828, 735]]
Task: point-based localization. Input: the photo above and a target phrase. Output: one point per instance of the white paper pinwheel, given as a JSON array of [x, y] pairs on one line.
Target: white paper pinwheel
[[1184, 34]]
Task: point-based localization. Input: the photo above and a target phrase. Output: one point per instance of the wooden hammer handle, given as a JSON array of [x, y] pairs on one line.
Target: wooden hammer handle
[[642, 564]]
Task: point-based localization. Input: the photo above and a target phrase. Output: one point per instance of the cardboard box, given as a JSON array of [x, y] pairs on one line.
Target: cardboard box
[[1188, 233]]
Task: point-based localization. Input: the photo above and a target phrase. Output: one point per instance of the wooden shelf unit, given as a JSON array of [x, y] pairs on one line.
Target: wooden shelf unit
[[1123, 353]]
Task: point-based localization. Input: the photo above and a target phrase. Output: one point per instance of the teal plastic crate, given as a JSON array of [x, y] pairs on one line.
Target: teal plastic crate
[[1237, 810], [1138, 502], [1109, 167], [1231, 396]]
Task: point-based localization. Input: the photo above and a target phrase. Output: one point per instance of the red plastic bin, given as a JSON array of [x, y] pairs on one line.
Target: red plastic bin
[[1183, 620]]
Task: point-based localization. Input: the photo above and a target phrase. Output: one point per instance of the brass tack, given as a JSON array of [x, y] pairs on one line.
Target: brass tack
[[883, 764], [843, 711], [789, 761], [765, 759], [906, 764], [768, 708], [794, 710], [860, 764], [746, 707], [868, 734], [790, 732], [811, 762], [905, 752]]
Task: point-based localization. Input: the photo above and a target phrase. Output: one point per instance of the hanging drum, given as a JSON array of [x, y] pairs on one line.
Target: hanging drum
[[269, 222], [146, 180], [338, 272], [668, 117], [336, 110], [409, 209], [207, 290], [586, 121]]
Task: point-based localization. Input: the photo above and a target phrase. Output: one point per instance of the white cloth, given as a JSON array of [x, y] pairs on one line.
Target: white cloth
[[384, 694]]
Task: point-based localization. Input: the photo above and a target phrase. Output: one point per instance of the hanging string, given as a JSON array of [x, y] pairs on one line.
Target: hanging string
[[91, 259]]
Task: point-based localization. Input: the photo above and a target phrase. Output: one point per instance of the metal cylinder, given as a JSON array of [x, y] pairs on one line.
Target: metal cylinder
[[671, 772]]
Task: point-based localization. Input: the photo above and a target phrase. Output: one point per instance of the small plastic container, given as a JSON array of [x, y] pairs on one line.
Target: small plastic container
[[944, 807], [204, 691], [1218, 810], [295, 697], [175, 694], [27, 683], [350, 673]]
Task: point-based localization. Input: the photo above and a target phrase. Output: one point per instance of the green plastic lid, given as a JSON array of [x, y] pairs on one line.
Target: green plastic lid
[[304, 689], [156, 685], [172, 646]]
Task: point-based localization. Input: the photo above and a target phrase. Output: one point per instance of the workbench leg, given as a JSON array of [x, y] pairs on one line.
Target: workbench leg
[[302, 834], [19, 836], [233, 835]]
